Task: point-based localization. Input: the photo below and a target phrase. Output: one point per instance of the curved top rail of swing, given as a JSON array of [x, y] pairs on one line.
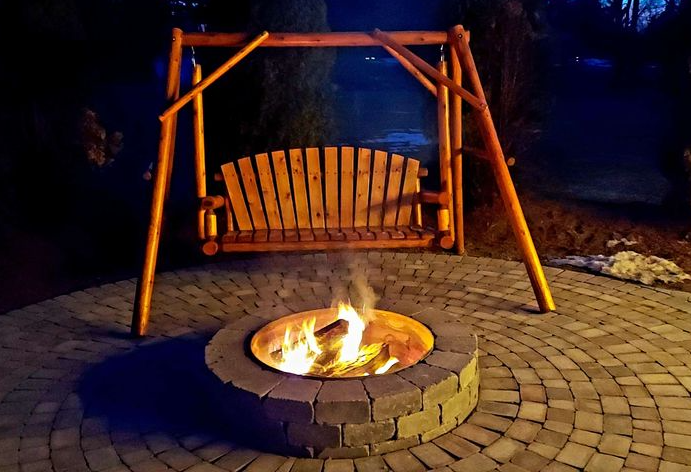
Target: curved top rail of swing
[[277, 40]]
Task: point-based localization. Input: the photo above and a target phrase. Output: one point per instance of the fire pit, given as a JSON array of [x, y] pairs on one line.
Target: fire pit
[[336, 383], [342, 343]]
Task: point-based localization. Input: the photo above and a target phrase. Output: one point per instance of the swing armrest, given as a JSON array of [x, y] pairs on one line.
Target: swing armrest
[[211, 202], [433, 198]]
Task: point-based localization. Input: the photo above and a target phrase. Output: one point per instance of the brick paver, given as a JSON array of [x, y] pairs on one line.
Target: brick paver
[[600, 384]]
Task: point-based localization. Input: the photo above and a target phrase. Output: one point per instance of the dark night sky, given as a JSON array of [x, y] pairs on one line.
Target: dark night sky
[[353, 15]]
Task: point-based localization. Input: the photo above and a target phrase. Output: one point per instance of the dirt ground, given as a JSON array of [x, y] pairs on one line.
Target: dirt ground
[[569, 228]]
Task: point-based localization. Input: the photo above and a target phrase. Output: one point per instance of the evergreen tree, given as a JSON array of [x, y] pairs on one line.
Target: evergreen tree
[[293, 106], [277, 98], [506, 40]]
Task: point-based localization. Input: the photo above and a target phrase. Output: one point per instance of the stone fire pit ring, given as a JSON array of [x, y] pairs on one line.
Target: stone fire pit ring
[[344, 418]]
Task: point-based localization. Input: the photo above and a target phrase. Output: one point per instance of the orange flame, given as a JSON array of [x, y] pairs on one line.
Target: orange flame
[[298, 357], [302, 353], [356, 326]]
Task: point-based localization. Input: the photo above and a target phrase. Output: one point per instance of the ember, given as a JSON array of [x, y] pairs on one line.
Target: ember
[[342, 342]]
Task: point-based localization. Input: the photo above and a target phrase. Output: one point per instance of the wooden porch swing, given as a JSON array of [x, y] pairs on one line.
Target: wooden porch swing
[[334, 198]]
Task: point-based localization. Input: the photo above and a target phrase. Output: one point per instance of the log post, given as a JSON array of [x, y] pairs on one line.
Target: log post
[[230, 227], [456, 147], [145, 285], [445, 218], [417, 204], [199, 149], [504, 182]]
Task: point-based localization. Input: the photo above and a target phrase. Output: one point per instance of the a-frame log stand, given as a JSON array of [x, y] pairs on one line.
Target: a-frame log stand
[[438, 80]]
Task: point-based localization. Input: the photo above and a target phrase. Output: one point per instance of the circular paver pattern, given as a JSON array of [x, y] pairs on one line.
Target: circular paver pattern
[[602, 384]]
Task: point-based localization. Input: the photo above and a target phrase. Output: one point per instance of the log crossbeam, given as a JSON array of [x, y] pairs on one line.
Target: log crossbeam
[[333, 39], [482, 154], [431, 71], [214, 76], [414, 71]]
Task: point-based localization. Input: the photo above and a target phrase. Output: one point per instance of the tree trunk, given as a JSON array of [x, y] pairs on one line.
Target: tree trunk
[[627, 14], [618, 12], [635, 14]]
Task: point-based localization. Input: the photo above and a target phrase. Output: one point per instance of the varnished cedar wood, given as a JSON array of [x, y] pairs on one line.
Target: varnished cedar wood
[[339, 39], [370, 197]]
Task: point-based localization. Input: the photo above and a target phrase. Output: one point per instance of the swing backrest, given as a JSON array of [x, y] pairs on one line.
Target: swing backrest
[[322, 190]]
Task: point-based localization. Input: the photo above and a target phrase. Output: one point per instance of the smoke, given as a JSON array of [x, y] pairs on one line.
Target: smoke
[[364, 297], [355, 288]]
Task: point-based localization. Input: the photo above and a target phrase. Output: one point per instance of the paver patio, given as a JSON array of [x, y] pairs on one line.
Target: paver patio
[[602, 384]]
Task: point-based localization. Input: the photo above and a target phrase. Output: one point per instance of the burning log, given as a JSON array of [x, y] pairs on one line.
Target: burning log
[[347, 347], [326, 337], [330, 332], [329, 365], [374, 363], [347, 343]]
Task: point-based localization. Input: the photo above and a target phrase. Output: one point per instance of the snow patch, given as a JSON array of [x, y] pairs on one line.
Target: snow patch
[[630, 265], [614, 242]]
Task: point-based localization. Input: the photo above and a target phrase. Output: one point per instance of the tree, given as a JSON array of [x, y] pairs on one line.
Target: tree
[[76, 47], [506, 39], [276, 98], [293, 108], [635, 14], [45, 79], [616, 8], [670, 37]]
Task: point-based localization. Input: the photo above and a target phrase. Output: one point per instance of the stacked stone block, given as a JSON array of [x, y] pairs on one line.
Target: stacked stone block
[[346, 418]]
